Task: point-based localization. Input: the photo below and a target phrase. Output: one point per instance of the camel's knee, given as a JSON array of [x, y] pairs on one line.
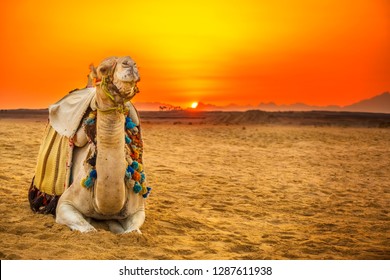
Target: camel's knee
[[80, 138], [70, 216], [66, 213]]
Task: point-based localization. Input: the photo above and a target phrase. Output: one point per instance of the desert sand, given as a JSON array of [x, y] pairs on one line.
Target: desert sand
[[221, 192]]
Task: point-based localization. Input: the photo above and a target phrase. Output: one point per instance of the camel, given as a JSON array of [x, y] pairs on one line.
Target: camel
[[106, 189]]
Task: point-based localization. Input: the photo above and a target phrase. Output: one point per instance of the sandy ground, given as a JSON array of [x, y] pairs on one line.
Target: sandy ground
[[222, 192]]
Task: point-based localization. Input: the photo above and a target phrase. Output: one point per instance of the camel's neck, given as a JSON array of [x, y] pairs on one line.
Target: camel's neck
[[110, 193]]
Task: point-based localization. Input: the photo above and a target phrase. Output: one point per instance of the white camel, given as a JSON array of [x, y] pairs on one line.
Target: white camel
[[106, 190]]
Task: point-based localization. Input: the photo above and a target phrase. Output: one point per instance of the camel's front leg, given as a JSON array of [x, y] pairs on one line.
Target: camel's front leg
[[68, 215], [134, 222]]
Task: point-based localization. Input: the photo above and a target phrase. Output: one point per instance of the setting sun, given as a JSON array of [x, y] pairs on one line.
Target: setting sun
[[194, 105]]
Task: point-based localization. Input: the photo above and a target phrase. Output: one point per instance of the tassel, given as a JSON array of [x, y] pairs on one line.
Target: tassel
[[142, 177], [134, 165], [37, 203], [130, 169], [88, 182], [148, 192], [90, 121], [129, 123], [140, 167], [127, 139], [136, 176], [51, 206], [93, 174], [92, 161], [32, 193], [137, 187]]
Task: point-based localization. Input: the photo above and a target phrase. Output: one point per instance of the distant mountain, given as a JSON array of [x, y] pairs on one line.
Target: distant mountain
[[230, 107], [296, 107], [270, 107], [376, 104]]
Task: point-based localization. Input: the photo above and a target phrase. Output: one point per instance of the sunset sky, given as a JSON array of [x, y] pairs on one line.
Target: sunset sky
[[333, 52]]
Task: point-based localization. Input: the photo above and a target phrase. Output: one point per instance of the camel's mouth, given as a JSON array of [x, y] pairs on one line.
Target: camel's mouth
[[127, 74], [127, 89], [130, 78], [126, 79]]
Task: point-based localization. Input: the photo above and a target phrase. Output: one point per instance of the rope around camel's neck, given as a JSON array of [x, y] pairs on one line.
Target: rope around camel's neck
[[118, 106]]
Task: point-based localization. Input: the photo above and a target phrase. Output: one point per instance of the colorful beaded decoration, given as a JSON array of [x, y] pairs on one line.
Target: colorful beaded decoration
[[135, 177]]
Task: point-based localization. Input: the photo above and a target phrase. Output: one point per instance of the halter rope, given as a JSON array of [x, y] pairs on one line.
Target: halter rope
[[103, 85]]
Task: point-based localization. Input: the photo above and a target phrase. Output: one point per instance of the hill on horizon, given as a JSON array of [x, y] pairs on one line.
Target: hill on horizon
[[376, 104]]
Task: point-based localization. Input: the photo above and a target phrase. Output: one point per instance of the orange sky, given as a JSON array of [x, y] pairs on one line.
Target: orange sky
[[219, 52]]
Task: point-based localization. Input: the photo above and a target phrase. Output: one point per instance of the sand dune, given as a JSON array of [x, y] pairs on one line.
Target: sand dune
[[222, 192]]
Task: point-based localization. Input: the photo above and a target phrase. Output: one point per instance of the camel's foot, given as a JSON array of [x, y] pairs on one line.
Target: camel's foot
[[70, 216], [132, 229], [115, 227], [134, 222], [83, 229]]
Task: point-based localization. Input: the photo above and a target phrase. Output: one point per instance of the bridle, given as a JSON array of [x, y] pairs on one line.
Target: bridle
[[103, 83]]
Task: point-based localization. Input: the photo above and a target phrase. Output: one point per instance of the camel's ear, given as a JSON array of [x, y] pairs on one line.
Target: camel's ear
[[92, 71]]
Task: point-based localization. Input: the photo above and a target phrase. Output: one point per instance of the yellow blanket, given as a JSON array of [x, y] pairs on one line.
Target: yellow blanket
[[51, 173]]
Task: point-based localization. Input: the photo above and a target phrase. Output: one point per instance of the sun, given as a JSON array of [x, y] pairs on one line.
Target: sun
[[194, 105]]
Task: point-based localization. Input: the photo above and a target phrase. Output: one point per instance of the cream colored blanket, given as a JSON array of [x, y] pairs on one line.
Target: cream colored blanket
[[65, 115]]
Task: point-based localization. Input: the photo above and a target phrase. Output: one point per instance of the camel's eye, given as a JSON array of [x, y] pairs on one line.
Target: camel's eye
[[103, 70], [126, 64]]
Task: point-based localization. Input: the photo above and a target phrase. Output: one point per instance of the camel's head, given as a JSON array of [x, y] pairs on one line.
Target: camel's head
[[118, 77]]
